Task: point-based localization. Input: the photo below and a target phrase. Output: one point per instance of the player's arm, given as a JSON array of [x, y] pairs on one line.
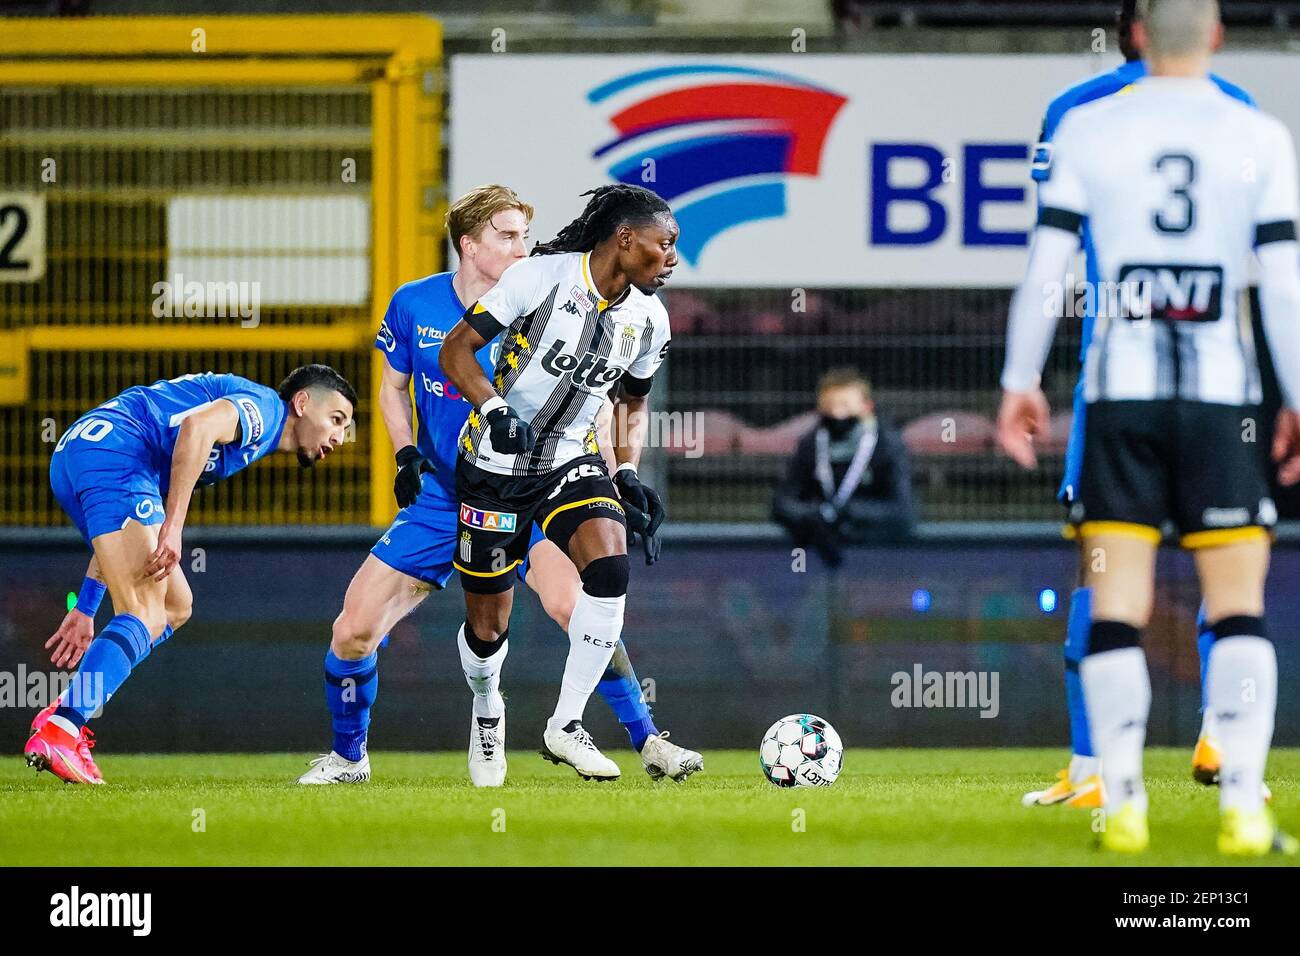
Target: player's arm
[[644, 508], [1024, 414], [217, 424], [76, 632], [395, 409], [514, 295], [1279, 296]]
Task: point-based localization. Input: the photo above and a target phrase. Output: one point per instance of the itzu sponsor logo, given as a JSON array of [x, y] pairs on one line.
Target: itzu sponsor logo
[[75, 908], [488, 520], [922, 688]]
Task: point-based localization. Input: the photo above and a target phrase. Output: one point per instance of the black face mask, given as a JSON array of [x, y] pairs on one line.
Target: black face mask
[[838, 428]]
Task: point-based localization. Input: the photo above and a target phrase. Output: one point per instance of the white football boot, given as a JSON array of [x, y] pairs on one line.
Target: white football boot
[[487, 751], [663, 759], [572, 744], [332, 768]]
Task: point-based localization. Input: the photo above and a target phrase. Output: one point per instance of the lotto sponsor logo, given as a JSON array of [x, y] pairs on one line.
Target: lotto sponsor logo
[[589, 369], [504, 521], [253, 415]]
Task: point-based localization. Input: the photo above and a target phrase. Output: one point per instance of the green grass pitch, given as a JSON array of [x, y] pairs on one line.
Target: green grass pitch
[[890, 807]]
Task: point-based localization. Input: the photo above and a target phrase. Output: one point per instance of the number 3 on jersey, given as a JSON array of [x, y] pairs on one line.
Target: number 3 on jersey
[[1179, 214]]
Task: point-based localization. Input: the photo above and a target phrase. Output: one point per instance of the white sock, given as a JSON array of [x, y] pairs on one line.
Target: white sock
[[483, 674], [1243, 693], [1207, 716], [1117, 693], [594, 629], [1081, 768]]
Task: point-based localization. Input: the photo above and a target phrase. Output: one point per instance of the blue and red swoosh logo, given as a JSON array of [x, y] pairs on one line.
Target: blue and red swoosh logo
[[722, 139]]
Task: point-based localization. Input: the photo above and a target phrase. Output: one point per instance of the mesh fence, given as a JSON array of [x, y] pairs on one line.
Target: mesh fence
[[746, 364], [209, 192]]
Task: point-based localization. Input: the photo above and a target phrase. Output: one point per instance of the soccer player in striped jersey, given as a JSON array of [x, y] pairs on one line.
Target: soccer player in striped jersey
[[579, 322], [1079, 785], [110, 472], [1202, 183], [413, 558]]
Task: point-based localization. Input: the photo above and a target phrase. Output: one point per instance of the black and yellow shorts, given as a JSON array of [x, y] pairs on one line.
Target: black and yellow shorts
[[497, 514], [1198, 466]]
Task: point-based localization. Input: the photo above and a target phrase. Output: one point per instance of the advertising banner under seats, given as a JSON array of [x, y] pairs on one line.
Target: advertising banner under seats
[[795, 170]]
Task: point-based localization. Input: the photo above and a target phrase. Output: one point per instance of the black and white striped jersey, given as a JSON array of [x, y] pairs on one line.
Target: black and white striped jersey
[[1180, 186], [562, 351]]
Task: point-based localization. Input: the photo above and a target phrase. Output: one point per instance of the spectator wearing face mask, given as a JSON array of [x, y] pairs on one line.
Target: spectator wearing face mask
[[849, 481]]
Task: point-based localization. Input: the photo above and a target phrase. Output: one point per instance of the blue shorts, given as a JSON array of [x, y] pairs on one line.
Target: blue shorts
[[102, 478], [421, 542], [1069, 489]]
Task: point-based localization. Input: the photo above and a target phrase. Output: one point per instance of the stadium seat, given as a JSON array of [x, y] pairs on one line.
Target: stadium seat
[[970, 433]]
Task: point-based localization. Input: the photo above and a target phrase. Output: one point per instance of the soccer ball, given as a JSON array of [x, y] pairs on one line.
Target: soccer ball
[[801, 751]]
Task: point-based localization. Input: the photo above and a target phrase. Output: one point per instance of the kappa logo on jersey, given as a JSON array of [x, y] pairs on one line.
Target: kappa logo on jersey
[[730, 144], [254, 416], [504, 521], [591, 370], [570, 308], [1179, 293], [585, 470]]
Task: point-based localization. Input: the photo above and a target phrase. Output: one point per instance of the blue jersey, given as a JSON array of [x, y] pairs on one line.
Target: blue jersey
[[151, 417], [419, 316]]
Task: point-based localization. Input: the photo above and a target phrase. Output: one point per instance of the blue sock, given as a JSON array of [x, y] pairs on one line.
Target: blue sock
[[1076, 648], [350, 691], [622, 691], [115, 651], [1204, 644]]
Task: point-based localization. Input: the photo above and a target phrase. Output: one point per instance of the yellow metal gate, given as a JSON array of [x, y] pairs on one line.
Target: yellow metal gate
[[228, 193]]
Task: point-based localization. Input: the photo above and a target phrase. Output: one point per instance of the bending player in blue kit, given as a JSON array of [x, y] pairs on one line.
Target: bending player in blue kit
[[111, 472], [487, 227]]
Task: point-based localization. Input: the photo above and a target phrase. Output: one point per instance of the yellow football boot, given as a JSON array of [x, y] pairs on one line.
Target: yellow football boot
[[1253, 833], [1126, 830], [1206, 760]]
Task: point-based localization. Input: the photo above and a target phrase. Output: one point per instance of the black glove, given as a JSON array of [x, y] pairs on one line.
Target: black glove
[[511, 435], [641, 497], [645, 513], [410, 466], [637, 522]]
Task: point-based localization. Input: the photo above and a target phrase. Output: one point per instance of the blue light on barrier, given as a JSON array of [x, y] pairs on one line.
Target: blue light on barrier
[[921, 600], [1047, 600]]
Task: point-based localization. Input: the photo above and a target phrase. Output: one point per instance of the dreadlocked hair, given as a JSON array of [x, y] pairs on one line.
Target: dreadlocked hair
[[608, 208]]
